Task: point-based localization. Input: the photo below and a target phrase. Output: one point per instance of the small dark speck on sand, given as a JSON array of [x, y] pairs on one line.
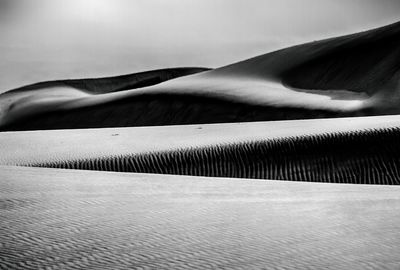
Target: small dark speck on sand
[[116, 134]]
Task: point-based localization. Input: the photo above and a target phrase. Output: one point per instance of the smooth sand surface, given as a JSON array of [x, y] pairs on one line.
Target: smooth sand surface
[[345, 76], [34, 147], [95, 220]]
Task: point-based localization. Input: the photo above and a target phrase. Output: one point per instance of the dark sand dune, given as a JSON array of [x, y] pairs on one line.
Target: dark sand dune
[[59, 91], [352, 75], [116, 83], [66, 219]]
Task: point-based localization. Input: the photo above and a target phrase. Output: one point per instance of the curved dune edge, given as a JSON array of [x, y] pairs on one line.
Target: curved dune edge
[[115, 83], [42, 94], [361, 150], [353, 75]]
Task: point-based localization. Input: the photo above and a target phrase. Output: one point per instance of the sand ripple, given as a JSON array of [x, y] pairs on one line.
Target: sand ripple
[[93, 220]]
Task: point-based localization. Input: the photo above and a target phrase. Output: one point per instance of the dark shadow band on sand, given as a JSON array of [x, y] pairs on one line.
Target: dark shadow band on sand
[[363, 157], [169, 109]]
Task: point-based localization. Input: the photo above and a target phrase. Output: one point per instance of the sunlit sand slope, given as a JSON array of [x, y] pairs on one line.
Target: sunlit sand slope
[[352, 75], [95, 220], [361, 150]]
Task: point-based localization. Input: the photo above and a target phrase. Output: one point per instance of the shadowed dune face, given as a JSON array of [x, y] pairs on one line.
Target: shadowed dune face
[[352, 75], [368, 157], [165, 109], [40, 97], [365, 68], [363, 150], [117, 83]]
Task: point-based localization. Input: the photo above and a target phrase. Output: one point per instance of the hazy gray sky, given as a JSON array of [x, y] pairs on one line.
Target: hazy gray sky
[[55, 39]]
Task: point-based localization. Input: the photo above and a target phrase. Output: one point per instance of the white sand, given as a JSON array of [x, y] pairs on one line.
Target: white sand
[[27, 147], [67, 218]]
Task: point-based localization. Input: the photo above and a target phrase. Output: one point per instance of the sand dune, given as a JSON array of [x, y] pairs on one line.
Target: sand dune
[[363, 150], [80, 219], [115, 84], [369, 157], [352, 75], [36, 97]]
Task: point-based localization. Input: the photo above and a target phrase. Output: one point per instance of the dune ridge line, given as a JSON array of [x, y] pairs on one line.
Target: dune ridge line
[[370, 156]]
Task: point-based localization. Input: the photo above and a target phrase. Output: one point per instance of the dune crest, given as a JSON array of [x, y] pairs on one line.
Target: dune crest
[[351, 75]]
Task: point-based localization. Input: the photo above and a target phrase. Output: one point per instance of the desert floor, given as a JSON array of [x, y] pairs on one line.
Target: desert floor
[[92, 220]]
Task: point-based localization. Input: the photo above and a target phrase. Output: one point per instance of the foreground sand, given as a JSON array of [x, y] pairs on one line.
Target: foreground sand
[[80, 219]]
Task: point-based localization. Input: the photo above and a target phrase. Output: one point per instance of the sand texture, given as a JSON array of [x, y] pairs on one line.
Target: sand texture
[[161, 169], [92, 220], [362, 150]]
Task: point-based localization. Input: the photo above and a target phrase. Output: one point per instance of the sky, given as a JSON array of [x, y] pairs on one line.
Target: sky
[[59, 39]]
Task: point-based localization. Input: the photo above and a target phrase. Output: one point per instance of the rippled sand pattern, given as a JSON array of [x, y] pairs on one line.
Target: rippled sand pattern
[[66, 219], [362, 157]]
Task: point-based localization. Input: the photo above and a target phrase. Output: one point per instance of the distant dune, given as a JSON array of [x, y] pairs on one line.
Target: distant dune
[[62, 90], [116, 83], [352, 75]]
